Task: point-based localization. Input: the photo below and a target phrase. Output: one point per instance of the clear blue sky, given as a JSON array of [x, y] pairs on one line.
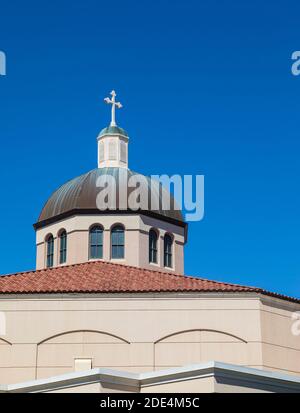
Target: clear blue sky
[[207, 89]]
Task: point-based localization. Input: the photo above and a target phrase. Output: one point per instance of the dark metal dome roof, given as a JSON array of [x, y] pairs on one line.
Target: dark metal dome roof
[[80, 194]]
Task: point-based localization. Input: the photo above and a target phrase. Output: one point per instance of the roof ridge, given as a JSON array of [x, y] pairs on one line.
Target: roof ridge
[[44, 269], [115, 264], [92, 262], [231, 284]]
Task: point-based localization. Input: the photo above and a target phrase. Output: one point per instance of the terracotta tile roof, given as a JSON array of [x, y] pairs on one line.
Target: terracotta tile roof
[[105, 277]]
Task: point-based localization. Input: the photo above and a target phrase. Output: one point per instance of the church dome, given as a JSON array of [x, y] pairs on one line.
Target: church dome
[[79, 196]]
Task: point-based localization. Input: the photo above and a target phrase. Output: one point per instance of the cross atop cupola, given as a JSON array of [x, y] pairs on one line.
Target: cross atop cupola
[[113, 140], [112, 101]]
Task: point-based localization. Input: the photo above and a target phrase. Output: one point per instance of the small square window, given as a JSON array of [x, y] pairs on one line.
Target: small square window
[[82, 364]]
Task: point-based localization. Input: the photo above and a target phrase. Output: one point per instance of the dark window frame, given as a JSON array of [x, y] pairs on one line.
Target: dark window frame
[[63, 242], [96, 242], [50, 251], [153, 250], [117, 242], [168, 251]]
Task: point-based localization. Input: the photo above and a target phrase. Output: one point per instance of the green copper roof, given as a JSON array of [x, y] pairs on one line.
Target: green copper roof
[[112, 130]]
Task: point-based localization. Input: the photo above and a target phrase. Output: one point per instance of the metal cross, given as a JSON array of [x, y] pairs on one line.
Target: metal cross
[[112, 101]]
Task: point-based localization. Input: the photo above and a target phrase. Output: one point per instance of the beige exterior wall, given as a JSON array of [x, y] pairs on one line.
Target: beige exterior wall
[[45, 335], [137, 229], [280, 348]]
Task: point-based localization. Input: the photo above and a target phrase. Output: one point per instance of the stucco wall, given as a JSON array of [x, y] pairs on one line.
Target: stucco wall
[[139, 333], [280, 348]]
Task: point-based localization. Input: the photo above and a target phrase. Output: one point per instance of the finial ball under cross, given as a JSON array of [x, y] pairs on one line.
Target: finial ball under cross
[[112, 101]]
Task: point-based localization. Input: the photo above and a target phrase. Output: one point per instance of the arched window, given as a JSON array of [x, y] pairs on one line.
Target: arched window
[[153, 246], [96, 242], [117, 242], [50, 251], [63, 247], [168, 251]]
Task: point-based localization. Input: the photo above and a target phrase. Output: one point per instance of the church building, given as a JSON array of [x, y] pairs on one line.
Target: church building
[[109, 308]]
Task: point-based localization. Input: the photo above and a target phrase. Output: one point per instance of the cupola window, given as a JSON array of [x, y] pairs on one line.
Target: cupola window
[[96, 242], [117, 242]]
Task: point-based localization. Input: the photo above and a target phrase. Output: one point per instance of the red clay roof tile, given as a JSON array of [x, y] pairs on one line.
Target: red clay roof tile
[[105, 277]]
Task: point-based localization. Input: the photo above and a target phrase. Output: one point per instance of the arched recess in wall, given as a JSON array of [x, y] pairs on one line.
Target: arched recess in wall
[[57, 354], [3, 341], [199, 346], [56, 336]]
